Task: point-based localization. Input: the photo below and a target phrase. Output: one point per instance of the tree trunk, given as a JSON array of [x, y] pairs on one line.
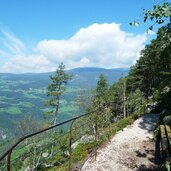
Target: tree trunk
[[57, 107], [124, 99]]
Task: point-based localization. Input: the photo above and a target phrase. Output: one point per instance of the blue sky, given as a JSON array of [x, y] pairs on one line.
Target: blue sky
[[40, 32]]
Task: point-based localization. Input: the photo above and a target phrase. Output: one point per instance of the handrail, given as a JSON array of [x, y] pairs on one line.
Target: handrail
[[41, 131]]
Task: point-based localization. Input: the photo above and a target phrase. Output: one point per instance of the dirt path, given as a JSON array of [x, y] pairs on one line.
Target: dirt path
[[129, 150]]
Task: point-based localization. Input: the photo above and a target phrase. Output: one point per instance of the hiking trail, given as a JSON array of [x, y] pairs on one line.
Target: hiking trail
[[129, 150]]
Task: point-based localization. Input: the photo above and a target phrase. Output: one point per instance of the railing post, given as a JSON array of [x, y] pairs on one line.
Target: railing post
[[109, 125], [96, 134], [70, 144], [9, 161], [168, 143]]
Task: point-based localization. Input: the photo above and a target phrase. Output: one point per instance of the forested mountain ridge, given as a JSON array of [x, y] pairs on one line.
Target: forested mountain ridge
[[80, 75]]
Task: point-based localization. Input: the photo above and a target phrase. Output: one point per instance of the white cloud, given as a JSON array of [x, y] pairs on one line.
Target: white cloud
[[99, 45], [102, 45], [15, 45], [33, 63]]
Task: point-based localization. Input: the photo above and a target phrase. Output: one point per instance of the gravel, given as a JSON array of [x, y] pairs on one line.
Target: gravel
[[129, 150]]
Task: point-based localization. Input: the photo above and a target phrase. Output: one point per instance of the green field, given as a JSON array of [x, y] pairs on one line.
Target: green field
[[11, 110], [24, 98], [25, 104], [23, 95]]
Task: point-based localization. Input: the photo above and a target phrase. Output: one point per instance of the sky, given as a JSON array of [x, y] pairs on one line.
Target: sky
[[37, 35]]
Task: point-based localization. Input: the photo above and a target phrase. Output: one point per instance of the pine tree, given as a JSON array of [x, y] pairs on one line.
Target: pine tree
[[101, 86], [55, 90]]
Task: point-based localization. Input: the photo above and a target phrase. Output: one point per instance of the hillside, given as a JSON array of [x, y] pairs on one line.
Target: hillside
[[25, 94]]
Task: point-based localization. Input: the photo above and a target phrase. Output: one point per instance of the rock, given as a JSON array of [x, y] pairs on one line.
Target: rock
[[167, 120], [45, 155], [83, 140]]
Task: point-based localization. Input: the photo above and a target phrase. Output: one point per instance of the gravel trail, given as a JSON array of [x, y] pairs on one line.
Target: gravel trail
[[129, 150]]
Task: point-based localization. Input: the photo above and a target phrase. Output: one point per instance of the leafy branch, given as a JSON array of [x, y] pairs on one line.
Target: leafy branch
[[158, 15]]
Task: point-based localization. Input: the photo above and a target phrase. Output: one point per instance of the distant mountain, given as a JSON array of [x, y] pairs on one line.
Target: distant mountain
[[94, 69], [25, 94], [88, 76], [88, 69]]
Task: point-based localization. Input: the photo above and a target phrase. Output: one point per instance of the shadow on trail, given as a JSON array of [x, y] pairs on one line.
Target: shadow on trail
[[144, 168], [149, 122], [152, 156]]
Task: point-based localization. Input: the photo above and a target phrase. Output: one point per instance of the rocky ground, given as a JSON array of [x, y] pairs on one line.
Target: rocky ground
[[129, 150]]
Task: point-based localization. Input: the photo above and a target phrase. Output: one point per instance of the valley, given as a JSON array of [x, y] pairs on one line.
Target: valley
[[23, 95]]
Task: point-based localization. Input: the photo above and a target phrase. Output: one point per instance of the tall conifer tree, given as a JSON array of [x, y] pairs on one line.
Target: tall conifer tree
[[55, 90]]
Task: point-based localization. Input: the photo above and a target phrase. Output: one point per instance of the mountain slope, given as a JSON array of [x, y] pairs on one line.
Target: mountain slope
[[25, 94]]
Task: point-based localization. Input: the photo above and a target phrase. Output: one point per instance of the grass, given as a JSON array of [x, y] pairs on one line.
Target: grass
[[7, 90], [68, 108], [72, 90], [11, 110], [31, 96], [25, 104], [38, 91], [5, 98]]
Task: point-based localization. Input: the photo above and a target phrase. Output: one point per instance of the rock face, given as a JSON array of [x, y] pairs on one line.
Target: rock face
[[167, 120], [131, 149]]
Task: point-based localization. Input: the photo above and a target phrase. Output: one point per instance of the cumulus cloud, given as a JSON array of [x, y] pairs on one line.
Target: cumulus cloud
[[24, 64], [99, 45]]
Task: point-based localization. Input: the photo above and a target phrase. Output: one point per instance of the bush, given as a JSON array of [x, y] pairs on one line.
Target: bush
[[79, 153]]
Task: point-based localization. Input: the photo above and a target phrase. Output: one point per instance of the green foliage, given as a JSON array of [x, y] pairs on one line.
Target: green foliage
[[136, 102], [156, 95], [27, 125], [159, 14], [79, 153], [167, 165], [82, 101], [56, 89], [25, 104], [121, 124], [99, 95], [101, 87], [149, 73], [31, 96], [157, 132], [11, 110], [115, 94]]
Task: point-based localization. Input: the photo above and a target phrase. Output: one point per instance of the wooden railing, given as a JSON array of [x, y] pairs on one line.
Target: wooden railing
[[165, 133]]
